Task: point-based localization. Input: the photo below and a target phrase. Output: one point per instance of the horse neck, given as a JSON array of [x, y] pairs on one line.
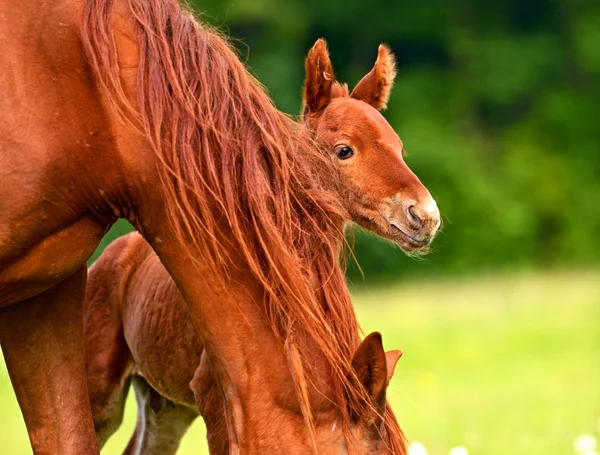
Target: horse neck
[[247, 358], [226, 304]]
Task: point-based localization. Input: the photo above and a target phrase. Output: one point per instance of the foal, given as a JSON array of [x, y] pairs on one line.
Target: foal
[[137, 326]]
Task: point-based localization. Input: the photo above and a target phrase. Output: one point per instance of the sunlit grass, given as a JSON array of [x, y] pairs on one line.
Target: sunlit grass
[[500, 365]]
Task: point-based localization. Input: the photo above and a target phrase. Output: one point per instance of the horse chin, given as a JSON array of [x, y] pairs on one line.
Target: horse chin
[[407, 242], [408, 247], [390, 232]]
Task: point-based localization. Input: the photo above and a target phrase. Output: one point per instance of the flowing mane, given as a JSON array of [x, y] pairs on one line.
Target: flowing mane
[[238, 175]]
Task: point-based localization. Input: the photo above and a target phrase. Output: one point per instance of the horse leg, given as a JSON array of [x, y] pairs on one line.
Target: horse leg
[[108, 360], [42, 341], [161, 424], [109, 415], [211, 404], [108, 392]]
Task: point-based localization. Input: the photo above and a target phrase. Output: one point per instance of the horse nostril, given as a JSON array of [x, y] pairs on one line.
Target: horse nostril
[[413, 216]]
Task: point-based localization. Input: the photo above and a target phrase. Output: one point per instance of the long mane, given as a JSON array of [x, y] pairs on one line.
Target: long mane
[[238, 175]]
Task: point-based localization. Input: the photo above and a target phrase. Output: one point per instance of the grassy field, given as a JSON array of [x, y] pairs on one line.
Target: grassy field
[[499, 365]]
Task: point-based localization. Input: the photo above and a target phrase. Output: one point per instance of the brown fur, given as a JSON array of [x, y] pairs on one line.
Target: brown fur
[[265, 213], [137, 325], [375, 87], [319, 79], [170, 313], [230, 193]]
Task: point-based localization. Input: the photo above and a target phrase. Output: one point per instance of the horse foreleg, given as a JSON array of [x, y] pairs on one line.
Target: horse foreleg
[[42, 342], [161, 424], [107, 398], [211, 405], [107, 357]]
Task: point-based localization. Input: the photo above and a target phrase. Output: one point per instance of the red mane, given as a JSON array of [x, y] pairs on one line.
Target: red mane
[[238, 175]]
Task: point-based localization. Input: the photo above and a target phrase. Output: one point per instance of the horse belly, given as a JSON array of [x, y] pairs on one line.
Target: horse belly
[[160, 333]]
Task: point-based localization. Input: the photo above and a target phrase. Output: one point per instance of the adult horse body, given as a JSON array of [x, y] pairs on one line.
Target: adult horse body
[[141, 113]]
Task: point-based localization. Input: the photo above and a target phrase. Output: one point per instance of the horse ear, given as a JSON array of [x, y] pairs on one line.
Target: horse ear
[[392, 358], [375, 87], [370, 366], [319, 78]]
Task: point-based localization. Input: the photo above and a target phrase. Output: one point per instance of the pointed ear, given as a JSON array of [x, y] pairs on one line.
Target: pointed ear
[[370, 365], [392, 358], [375, 87], [319, 78]]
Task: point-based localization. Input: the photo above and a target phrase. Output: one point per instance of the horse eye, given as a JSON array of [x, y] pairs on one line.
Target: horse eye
[[344, 152]]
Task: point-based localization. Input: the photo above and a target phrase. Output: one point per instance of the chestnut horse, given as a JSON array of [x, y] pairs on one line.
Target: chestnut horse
[[138, 327], [132, 109]]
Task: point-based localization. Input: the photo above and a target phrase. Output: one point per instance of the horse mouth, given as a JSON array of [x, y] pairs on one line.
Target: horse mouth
[[406, 240]]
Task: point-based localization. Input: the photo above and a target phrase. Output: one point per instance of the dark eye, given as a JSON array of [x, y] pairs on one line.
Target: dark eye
[[344, 152]]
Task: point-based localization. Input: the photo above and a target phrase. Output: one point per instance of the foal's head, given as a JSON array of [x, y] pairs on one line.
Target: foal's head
[[374, 368], [385, 196], [353, 430]]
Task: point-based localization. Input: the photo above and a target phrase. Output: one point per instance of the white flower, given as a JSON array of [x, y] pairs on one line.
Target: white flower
[[459, 451], [416, 448], [584, 444]]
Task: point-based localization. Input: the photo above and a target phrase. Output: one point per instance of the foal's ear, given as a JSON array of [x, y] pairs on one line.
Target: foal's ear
[[375, 87], [370, 366], [319, 77], [392, 358]]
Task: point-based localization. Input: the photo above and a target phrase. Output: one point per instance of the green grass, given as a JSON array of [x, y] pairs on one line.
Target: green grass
[[500, 365]]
